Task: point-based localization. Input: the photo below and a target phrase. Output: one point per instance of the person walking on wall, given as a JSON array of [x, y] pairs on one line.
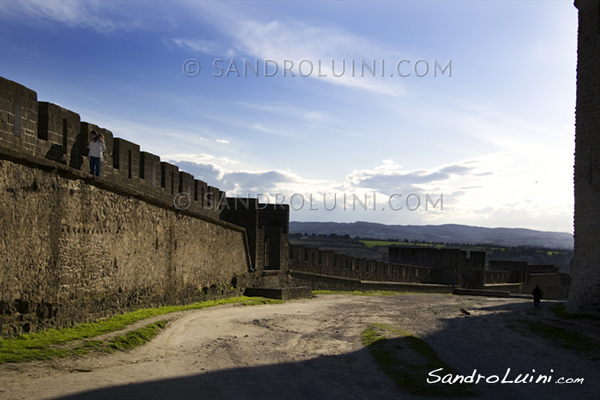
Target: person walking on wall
[[537, 295], [96, 149]]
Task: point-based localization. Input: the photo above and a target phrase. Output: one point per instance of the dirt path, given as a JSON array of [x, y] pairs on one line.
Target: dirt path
[[311, 349]]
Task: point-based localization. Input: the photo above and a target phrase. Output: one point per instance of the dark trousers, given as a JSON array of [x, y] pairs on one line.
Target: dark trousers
[[95, 166]]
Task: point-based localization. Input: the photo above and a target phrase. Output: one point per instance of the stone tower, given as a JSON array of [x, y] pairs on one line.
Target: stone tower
[[585, 271]]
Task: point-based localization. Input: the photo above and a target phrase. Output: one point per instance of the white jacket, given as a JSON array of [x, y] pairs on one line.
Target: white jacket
[[96, 148]]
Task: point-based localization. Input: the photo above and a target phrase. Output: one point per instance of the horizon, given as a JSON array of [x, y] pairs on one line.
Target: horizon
[[303, 101], [470, 226]]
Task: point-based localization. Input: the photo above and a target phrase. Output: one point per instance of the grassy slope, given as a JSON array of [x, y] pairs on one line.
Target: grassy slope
[[51, 343]]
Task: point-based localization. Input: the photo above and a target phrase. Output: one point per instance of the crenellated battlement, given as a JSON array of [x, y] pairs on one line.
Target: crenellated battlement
[[327, 262], [40, 132], [77, 247]]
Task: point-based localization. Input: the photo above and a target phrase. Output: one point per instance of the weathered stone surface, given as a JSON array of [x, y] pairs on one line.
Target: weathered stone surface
[[585, 271], [76, 248], [73, 252], [326, 262]]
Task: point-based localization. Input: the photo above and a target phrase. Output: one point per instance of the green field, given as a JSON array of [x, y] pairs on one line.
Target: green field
[[376, 243]]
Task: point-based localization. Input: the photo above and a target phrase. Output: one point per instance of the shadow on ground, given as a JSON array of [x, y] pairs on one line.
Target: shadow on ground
[[494, 342], [487, 342], [320, 378]]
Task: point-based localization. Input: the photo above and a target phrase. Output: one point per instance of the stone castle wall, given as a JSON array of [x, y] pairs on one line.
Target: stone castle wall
[[29, 128], [75, 248], [267, 228], [331, 264], [420, 269], [585, 271], [461, 268]]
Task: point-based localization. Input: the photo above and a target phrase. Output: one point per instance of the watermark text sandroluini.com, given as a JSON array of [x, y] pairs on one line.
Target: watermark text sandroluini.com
[[267, 68], [322, 201], [509, 377]]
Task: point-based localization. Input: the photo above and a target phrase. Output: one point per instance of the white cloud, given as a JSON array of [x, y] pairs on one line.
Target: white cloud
[[518, 214], [204, 47], [390, 177], [95, 15], [288, 110], [262, 128], [296, 41], [238, 182], [202, 158], [433, 196]]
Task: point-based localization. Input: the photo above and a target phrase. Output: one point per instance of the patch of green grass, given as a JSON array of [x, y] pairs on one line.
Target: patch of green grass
[[256, 301], [394, 349], [375, 243], [383, 243], [128, 341], [19, 352], [137, 337], [374, 333], [565, 338], [45, 344], [89, 346], [561, 312]]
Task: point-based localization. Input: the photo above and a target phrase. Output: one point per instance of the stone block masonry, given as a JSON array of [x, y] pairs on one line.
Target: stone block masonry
[[420, 269], [584, 296], [326, 263], [18, 118], [267, 227], [45, 131], [75, 249]]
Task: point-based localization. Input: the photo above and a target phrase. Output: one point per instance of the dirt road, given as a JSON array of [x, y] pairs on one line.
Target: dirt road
[[311, 349]]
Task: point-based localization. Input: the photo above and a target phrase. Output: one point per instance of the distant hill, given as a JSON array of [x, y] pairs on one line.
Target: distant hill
[[449, 233]]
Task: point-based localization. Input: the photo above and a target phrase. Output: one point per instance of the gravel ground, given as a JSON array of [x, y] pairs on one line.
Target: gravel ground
[[311, 349]]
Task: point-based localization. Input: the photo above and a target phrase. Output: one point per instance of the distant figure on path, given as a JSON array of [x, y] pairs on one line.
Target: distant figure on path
[[96, 149], [537, 295]]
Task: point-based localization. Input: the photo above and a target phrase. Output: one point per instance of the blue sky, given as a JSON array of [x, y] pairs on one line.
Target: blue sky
[[491, 130]]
